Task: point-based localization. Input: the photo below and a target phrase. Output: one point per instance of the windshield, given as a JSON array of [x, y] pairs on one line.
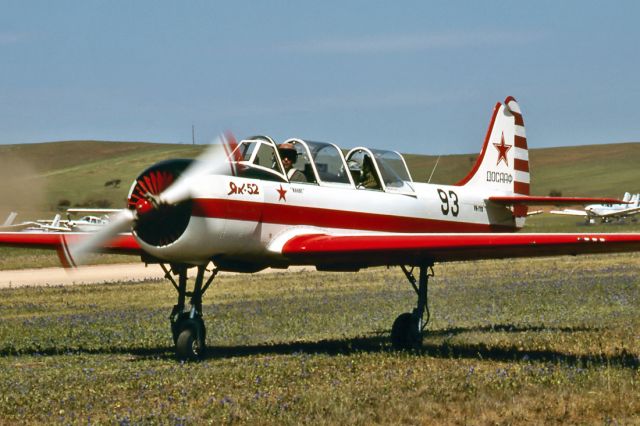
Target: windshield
[[258, 159]]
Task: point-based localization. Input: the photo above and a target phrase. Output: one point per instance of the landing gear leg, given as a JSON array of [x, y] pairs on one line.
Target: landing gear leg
[[187, 326], [407, 329]]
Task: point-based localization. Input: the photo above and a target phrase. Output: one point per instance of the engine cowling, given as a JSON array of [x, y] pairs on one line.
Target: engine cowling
[[164, 224]]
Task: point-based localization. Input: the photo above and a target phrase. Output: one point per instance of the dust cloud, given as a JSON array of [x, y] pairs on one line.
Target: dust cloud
[[21, 190]]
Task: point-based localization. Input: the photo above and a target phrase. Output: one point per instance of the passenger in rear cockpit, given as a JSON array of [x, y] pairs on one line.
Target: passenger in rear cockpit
[[289, 155], [368, 176]]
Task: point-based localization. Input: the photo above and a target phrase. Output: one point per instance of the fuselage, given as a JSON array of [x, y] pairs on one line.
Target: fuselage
[[240, 218], [611, 210]]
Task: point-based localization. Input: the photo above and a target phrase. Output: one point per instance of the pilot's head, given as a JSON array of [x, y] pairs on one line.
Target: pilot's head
[[288, 154]]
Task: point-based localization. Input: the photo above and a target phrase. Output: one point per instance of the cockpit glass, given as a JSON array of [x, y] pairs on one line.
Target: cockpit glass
[[259, 153], [246, 149], [257, 159], [329, 162], [303, 162], [392, 168]]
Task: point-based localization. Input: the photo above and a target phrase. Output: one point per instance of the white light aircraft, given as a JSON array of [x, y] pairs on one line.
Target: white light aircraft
[[606, 212], [90, 222], [29, 226], [87, 223], [240, 210]]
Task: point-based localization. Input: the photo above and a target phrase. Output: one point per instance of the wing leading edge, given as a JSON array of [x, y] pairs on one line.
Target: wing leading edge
[[123, 244], [406, 249]]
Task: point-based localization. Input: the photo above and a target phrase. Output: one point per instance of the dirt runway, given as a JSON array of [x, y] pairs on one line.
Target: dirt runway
[[94, 274]]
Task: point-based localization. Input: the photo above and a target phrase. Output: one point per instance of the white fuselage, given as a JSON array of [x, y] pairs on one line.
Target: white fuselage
[[607, 210], [243, 218]]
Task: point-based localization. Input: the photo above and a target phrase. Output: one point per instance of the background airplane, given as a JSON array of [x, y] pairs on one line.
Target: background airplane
[[236, 208], [30, 226], [606, 212], [86, 223]]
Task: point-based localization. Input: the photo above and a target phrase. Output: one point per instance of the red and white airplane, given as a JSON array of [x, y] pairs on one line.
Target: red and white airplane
[[238, 209]]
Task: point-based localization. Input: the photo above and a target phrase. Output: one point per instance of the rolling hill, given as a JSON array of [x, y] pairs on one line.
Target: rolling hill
[[36, 178]]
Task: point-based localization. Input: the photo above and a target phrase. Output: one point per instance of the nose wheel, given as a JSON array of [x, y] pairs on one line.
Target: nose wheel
[[187, 326], [407, 329]]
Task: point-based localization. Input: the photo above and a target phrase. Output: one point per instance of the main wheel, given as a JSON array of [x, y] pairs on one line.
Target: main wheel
[[181, 322], [406, 333], [189, 346]]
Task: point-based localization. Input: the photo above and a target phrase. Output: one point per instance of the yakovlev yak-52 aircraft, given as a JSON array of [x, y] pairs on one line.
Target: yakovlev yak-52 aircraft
[[241, 209]]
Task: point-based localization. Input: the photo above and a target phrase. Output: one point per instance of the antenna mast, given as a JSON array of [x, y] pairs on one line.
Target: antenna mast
[[434, 169]]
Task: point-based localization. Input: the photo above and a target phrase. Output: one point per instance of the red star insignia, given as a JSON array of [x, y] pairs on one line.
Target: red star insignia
[[502, 151], [281, 193]]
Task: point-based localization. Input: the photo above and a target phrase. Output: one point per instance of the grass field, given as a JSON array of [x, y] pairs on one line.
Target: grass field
[[532, 341], [524, 341]]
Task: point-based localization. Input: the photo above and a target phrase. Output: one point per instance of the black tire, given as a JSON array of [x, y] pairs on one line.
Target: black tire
[[189, 347], [180, 323], [405, 332]]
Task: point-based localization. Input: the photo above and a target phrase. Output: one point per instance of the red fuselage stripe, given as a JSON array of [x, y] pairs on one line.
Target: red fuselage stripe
[[327, 218]]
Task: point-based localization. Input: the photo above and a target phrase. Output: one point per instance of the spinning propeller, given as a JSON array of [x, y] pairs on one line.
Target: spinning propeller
[[158, 206]]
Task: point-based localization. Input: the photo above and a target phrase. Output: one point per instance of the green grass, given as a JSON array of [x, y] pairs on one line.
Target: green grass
[[34, 178], [523, 341]]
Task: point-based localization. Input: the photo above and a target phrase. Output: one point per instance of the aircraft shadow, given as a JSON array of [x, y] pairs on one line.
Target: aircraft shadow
[[378, 342]]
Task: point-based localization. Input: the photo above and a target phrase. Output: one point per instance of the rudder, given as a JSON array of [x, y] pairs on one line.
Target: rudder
[[502, 167]]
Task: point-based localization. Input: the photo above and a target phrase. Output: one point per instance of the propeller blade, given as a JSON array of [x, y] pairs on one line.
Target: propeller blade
[[78, 251], [214, 160]]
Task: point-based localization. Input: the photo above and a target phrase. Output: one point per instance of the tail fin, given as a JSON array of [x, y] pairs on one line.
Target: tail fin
[[503, 165], [10, 219], [56, 220], [627, 197]]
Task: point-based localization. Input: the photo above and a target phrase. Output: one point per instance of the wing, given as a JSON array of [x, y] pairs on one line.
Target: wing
[[123, 244], [19, 226], [527, 200], [570, 212], [354, 251]]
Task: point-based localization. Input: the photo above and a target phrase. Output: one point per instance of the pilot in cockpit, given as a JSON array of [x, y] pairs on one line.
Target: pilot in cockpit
[[289, 155], [368, 176]]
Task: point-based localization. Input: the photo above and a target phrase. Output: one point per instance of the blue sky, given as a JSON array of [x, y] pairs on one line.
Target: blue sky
[[415, 76]]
